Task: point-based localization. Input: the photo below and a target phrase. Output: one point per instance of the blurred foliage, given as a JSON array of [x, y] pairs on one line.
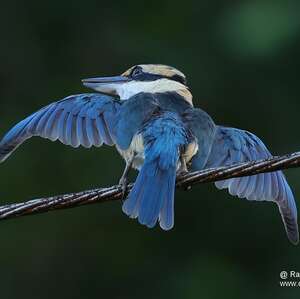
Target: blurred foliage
[[274, 28], [242, 61]]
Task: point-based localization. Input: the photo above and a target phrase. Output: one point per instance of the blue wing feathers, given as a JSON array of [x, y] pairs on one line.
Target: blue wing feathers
[[51, 128], [233, 146], [243, 187], [275, 185], [107, 129], [288, 210], [103, 133], [89, 131], [86, 119], [204, 129]]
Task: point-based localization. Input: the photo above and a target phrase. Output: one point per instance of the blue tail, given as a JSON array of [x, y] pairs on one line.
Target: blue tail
[[152, 197]]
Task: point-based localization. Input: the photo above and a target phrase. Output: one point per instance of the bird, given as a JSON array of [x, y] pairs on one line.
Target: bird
[[148, 114]]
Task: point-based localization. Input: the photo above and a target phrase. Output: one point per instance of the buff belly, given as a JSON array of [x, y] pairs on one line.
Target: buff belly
[[135, 153]]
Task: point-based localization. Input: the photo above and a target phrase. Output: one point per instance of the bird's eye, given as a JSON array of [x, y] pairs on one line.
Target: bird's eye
[[137, 71]]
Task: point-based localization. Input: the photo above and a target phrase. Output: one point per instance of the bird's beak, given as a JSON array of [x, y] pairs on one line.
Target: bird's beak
[[107, 85]]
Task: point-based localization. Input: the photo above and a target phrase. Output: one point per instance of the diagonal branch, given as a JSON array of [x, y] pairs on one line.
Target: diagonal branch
[[72, 200]]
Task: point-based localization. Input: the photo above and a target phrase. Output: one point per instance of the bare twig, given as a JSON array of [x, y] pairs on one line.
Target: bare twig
[[71, 200]]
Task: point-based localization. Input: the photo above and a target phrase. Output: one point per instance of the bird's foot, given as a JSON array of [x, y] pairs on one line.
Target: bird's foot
[[123, 184], [182, 172]]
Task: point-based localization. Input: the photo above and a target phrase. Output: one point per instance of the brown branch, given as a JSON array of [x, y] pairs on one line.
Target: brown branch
[[72, 200]]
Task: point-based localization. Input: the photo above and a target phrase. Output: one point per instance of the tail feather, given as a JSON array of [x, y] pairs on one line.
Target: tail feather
[[151, 202], [166, 216], [152, 197]]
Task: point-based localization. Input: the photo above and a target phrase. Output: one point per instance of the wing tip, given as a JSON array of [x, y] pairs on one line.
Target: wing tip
[[294, 239]]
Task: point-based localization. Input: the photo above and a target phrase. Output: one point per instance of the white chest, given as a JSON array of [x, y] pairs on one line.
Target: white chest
[[135, 152]]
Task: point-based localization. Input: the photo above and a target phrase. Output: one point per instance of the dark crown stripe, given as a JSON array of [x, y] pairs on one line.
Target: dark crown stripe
[[153, 77]]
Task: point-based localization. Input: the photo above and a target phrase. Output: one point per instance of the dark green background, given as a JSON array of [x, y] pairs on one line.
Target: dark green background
[[242, 61]]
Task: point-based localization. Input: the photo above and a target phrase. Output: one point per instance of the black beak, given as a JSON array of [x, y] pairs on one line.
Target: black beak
[[106, 85], [105, 80]]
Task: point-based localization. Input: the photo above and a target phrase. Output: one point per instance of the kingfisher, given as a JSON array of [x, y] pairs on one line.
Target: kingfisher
[[147, 113]]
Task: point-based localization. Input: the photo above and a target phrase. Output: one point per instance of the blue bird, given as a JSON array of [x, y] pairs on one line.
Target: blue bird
[[148, 114]]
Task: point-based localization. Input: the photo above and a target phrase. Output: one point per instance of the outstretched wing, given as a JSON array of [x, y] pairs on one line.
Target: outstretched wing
[[232, 146], [85, 119]]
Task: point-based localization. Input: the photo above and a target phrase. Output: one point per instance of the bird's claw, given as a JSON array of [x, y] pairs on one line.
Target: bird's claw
[[183, 172], [123, 184]]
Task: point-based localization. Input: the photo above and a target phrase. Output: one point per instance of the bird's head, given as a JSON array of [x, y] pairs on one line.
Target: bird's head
[[150, 78]]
